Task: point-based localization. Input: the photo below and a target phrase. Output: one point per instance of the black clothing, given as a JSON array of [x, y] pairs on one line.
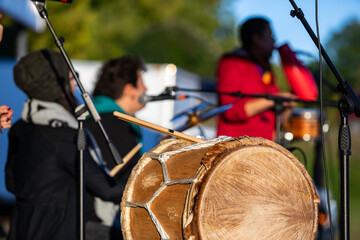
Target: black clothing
[[124, 138], [42, 172]]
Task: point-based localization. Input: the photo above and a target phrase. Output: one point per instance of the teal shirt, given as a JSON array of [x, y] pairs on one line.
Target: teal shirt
[[105, 104]]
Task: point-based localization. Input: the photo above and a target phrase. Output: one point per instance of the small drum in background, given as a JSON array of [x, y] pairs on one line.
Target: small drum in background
[[226, 188], [303, 124]]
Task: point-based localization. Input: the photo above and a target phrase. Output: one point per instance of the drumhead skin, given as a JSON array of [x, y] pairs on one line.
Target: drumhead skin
[[251, 188]]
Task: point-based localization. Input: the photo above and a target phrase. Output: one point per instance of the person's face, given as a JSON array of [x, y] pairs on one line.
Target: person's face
[[72, 82], [139, 90], [265, 42]]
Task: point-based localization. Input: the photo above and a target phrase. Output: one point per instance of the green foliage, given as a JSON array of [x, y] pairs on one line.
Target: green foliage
[[344, 50], [186, 33]]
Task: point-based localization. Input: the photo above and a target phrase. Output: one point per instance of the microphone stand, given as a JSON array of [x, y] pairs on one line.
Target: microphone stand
[[278, 103], [86, 97], [348, 104], [81, 113], [40, 6]]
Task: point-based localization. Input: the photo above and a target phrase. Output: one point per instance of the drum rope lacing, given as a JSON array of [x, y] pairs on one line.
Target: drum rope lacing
[[162, 158]]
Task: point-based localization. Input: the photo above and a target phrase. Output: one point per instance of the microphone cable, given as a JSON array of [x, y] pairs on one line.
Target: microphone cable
[[322, 120]]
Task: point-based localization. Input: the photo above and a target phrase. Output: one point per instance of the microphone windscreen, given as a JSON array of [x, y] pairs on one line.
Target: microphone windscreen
[[143, 99]]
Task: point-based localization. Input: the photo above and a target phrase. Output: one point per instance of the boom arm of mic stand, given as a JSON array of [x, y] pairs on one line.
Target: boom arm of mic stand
[[348, 104], [239, 94], [353, 102], [40, 6]]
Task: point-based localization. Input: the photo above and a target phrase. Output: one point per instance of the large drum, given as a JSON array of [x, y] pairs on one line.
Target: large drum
[[226, 188]]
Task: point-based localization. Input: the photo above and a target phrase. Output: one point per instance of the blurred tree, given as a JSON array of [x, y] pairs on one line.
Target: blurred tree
[[187, 33], [344, 50]]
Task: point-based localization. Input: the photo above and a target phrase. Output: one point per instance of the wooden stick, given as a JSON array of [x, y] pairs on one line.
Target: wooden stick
[[125, 159], [155, 127]]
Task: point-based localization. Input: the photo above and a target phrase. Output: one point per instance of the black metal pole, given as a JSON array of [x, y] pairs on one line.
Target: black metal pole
[[349, 104], [40, 5], [238, 94], [344, 143], [278, 109], [300, 15], [81, 113], [344, 87]]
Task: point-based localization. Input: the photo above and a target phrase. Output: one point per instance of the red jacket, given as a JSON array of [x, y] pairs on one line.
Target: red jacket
[[239, 73]]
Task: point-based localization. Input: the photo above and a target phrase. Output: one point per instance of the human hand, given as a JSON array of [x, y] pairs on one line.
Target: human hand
[[6, 115], [288, 104], [1, 27]]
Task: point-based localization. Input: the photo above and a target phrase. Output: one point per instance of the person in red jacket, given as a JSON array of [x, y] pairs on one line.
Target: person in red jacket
[[248, 70]]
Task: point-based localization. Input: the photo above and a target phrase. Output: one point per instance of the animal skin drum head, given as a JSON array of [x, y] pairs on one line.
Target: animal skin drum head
[[252, 190]]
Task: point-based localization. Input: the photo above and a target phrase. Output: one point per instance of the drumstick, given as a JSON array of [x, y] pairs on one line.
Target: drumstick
[[125, 159], [155, 127]]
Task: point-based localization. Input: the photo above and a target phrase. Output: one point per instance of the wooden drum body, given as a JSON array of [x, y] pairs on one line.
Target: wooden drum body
[[247, 188], [154, 196]]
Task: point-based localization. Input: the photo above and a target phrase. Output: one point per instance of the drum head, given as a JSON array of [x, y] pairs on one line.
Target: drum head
[[251, 188]]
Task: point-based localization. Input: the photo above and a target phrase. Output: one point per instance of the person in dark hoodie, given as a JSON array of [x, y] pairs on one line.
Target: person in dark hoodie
[[42, 168]]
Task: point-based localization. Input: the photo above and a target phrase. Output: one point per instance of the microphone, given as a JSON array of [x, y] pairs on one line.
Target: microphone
[[143, 98]]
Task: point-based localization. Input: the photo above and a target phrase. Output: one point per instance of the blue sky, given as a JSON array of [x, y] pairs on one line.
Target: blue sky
[[333, 14]]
